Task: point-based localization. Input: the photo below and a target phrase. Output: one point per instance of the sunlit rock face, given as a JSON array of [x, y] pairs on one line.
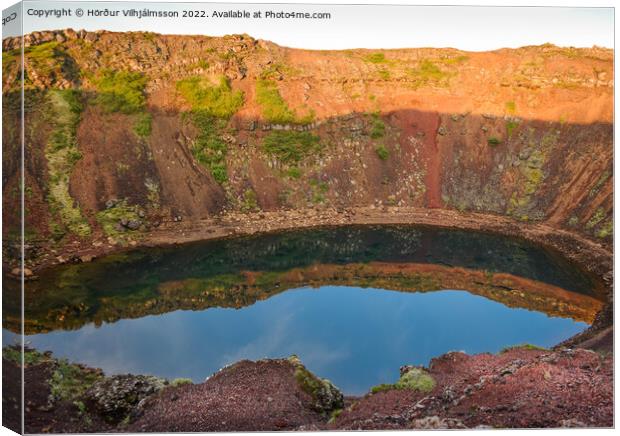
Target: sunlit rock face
[[524, 133]]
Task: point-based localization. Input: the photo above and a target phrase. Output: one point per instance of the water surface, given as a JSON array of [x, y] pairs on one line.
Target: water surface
[[354, 303]]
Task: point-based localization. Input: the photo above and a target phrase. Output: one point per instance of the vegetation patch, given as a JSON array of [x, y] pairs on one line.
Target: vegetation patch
[[116, 221], [31, 357], [181, 381], [522, 347], [291, 147], [415, 379], [69, 382], [596, 218], [533, 159], [274, 107], [606, 230], [121, 91], [249, 202], [511, 125], [454, 60], [334, 415], [375, 58], [382, 388], [219, 100], [142, 126], [62, 153], [382, 152], [318, 190], [294, 173], [209, 149], [326, 397], [124, 92], [212, 106], [384, 74], [494, 141], [47, 60], [377, 129], [428, 73]]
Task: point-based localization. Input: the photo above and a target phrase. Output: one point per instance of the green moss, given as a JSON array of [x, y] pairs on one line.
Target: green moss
[[375, 58], [308, 382], [533, 174], [274, 108], [334, 416], [384, 74], [293, 173], [415, 379], [573, 221], [43, 51], [31, 357], [511, 107], [493, 141], [208, 148], [596, 218], [62, 153], [109, 219], [382, 152], [48, 59], [428, 73], [382, 388], [181, 381], [522, 347], [69, 382], [249, 202], [202, 64], [378, 127], [291, 146], [511, 125], [325, 395], [606, 230], [121, 91], [143, 124], [214, 100]]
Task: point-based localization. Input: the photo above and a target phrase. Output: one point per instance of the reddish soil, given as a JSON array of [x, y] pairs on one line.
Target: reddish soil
[[248, 396], [516, 389]]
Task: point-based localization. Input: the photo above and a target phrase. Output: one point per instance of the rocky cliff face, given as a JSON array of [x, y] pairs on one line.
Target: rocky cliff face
[[125, 131]]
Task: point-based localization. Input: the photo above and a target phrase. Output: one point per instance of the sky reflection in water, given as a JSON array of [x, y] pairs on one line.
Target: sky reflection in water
[[355, 337]]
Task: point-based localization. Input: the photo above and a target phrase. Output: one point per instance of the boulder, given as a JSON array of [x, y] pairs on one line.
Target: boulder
[[325, 395], [116, 397]]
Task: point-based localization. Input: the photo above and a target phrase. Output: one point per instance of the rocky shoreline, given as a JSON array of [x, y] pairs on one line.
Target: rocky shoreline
[[520, 387], [593, 256]]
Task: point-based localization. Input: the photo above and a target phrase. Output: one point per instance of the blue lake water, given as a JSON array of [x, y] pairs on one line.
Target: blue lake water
[[356, 337], [354, 303]]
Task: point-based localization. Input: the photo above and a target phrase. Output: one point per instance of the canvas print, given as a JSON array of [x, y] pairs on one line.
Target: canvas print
[[245, 217]]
